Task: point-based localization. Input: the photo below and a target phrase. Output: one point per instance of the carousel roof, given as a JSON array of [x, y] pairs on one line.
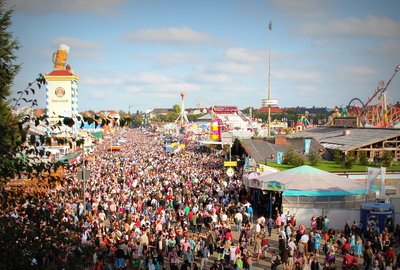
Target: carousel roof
[[308, 181]]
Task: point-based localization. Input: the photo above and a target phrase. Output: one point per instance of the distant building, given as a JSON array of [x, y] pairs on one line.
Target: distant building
[[274, 110], [196, 111], [109, 114], [353, 141], [312, 111], [265, 151], [158, 111]]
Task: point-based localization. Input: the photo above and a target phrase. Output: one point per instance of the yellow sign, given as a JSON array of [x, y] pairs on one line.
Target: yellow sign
[[230, 163]]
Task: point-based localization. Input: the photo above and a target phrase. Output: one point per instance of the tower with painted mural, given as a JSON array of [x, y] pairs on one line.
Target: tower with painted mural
[[61, 88]]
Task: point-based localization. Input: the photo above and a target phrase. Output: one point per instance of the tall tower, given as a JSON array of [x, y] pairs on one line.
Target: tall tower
[[269, 102], [61, 88]]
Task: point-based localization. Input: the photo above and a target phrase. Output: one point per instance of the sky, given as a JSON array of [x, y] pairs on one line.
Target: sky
[[141, 54]]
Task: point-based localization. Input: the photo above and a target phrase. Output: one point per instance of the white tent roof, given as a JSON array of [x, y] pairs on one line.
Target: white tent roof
[[308, 181]]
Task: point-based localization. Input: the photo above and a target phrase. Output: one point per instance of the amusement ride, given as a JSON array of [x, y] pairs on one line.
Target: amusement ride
[[376, 112]]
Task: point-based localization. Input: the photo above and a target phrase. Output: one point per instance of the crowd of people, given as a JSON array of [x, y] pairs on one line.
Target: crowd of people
[[148, 208], [303, 248]]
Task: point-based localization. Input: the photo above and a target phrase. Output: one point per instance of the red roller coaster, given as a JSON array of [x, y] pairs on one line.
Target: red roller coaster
[[376, 111]]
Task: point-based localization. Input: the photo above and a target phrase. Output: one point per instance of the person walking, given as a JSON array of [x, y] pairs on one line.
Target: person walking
[[205, 253], [270, 225], [238, 221], [275, 260], [173, 259]]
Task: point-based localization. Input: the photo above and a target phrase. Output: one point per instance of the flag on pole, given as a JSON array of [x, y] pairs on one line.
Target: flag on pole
[[270, 25]]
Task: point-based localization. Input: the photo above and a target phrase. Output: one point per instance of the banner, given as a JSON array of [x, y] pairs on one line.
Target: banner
[[307, 145], [279, 157], [373, 174], [247, 163], [383, 174]]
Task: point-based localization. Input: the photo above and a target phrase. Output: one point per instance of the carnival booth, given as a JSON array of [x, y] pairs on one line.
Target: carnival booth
[[378, 215], [312, 192]]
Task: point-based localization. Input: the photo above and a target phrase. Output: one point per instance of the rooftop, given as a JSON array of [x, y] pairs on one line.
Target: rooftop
[[63, 72], [336, 138]]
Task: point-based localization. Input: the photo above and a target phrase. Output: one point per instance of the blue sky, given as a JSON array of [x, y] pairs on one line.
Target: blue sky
[[144, 53]]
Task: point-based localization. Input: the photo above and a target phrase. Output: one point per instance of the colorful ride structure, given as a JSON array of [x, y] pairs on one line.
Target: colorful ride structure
[[215, 129], [303, 120], [376, 112]]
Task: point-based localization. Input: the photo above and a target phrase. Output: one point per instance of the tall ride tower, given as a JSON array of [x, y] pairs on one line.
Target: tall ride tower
[[269, 102], [182, 116]]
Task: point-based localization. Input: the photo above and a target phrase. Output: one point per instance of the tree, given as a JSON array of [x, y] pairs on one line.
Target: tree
[[24, 239], [363, 158], [8, 70], [177, 108], [314, 158], [387, 159], [293, 158], [337, 156], [348, 162], [247, 110], [137, 119]]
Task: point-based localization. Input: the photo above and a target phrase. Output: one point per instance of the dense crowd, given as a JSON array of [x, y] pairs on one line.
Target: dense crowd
[[148, 208], [302, 248]]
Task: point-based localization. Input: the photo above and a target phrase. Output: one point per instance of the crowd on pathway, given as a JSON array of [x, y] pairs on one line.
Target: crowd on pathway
[[302, 248], [148, 208]]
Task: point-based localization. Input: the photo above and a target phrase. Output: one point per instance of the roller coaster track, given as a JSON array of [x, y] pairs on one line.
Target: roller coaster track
[[379, 115]]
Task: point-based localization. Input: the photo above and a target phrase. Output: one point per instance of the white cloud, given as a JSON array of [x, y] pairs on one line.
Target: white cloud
[[150, 78], [371, 26], [245, 55], [39, 7], [307, 89], [167, 59], [252, 56], [312, 9], [99, 95], [133, 89], [212, 78], [144, 84], [77, 43], [82, 49], [387, 47], [95, 81], [360, 71], [181, 86], [296, 5], [297, 75], [234, 68], [171, 35]]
